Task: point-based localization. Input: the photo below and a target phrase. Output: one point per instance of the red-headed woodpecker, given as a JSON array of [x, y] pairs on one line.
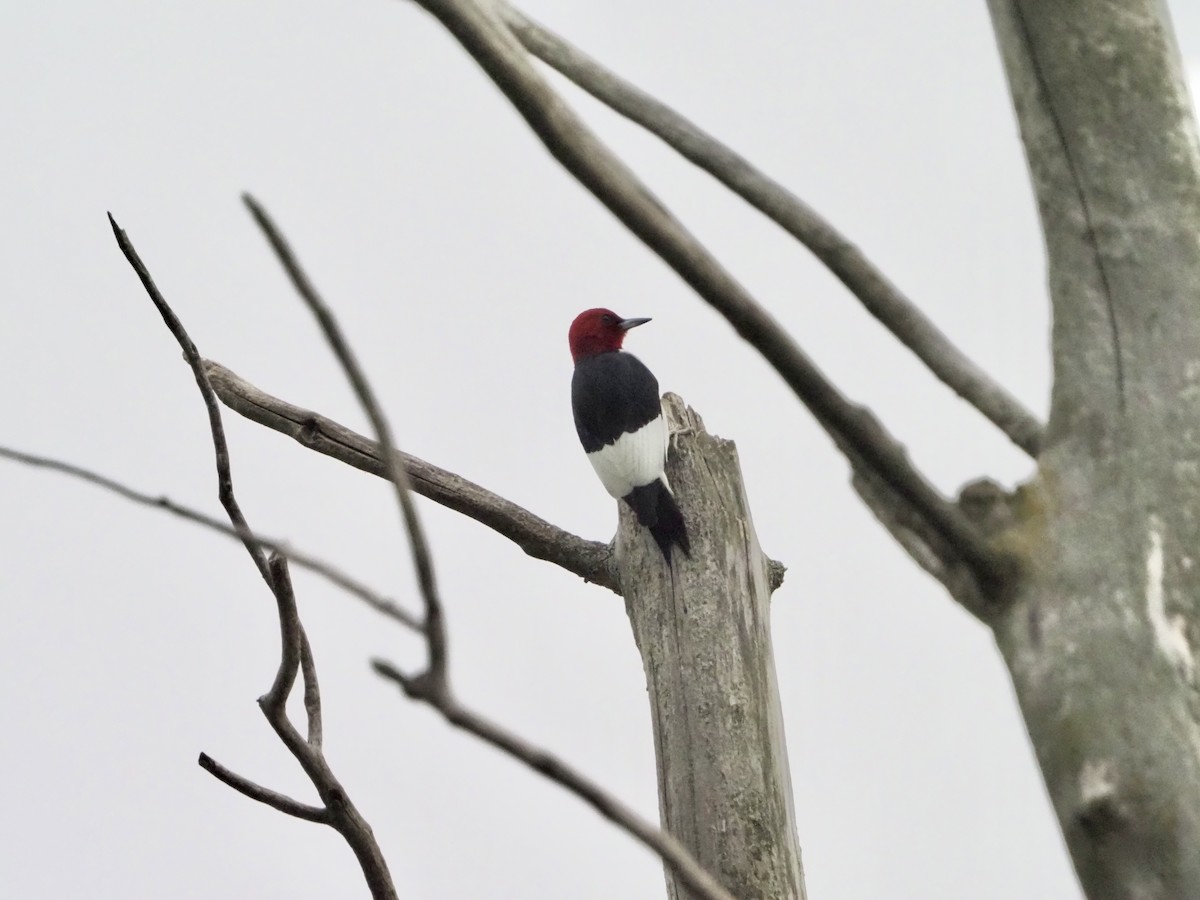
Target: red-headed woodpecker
[[619, 419]]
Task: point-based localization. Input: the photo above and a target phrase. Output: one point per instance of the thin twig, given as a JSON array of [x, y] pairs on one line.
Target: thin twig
[[434, 625], [274, 702], [848, 263], [344, 817], [220, 447], [312, 693], [339, 812], [333, 575], [501, 56], [271, 798], [590, 560], [672, 852]]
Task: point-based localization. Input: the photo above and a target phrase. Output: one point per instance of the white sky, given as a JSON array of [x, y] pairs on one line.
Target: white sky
[[456, 252]]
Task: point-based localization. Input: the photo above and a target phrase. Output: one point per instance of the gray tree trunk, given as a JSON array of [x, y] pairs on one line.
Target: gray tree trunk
[[703, 629], [1099, 628]]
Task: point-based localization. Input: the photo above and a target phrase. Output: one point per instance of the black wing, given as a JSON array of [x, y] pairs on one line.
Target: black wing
[[612, 394]]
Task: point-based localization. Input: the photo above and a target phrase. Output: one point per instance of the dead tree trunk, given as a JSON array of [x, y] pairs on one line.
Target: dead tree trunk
[[1100, 628], [703, 630]]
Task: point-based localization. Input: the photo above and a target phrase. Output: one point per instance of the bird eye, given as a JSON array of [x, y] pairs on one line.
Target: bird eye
[[607, 319]]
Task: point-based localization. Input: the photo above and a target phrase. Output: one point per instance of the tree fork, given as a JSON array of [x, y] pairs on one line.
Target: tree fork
[[703, 630]]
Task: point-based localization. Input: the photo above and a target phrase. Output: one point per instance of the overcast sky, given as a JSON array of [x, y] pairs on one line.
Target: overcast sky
[[456, 252]]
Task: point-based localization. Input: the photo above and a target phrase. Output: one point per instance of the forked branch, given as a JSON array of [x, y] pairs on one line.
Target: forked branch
[[296, 655]]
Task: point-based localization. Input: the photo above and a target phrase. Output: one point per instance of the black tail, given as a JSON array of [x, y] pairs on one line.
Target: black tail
[[657, 510]]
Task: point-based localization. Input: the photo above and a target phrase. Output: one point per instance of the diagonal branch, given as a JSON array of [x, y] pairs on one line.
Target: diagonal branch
[[330, 573], [590, 161], [435, 629], [590, 560], [192, 355], [672, 852], [273, 799], [878, 295]]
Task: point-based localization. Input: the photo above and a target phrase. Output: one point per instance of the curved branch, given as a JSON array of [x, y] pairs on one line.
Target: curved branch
[[882, 299], [590, 560], [254, 791], [590, 161]]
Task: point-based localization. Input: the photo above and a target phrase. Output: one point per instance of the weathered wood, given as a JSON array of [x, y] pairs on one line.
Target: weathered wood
[[1100, 630], [703, 630]]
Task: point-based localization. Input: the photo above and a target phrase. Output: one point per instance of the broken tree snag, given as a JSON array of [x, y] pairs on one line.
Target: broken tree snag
[[703, 630]]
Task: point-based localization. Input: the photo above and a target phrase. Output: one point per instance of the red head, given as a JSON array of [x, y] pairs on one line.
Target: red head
[[598, 331]]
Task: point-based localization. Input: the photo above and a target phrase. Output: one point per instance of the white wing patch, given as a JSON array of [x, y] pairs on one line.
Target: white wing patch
[[635, 459]]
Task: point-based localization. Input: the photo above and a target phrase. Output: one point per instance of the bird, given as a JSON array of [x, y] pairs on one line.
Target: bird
[[620, 422]]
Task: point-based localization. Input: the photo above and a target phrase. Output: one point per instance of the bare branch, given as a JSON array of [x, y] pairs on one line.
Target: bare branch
[[878, 295], [339, 812], [590, 560], [274, 701], [673, 853], [318, 567], [497, 51], [312, 693], [271, 798], [434, 625], [220, 447]]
